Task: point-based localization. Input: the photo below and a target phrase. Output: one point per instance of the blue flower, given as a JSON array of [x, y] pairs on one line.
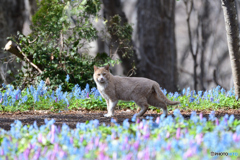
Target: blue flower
[[191, 99], [4, 85], [211, 99], [176, 95], [5, 99], [87, 88], [212, 116], [134, 117], [199, 129], [126, 124], [183, 91], [200, 93], [67, 78], [194, 117], [223, 91], [96, 94], [164, 91], [188, 90], [24, 99], [231, 119]]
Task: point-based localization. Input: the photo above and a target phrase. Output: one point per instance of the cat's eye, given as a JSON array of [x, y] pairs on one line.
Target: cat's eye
[[104, 74], [98, 74]]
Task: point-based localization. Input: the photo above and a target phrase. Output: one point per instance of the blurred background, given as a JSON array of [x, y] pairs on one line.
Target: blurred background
[[179, 44]]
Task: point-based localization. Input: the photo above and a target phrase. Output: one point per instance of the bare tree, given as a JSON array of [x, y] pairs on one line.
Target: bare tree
[[232, 30], [189, 8]]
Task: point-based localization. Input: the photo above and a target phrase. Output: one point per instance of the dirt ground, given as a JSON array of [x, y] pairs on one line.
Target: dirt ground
[[71, 118]]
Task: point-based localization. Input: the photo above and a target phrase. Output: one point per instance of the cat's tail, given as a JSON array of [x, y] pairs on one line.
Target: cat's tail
[[163, 97]]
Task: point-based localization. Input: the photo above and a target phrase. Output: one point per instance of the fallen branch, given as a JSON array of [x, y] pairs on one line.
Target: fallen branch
[[12, 47], [16, 50]]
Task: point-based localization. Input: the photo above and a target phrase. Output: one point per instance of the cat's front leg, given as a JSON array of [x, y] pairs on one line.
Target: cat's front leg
[[110, 108]]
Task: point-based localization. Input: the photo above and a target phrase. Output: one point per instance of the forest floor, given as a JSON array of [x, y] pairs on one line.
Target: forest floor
[[71, 118]]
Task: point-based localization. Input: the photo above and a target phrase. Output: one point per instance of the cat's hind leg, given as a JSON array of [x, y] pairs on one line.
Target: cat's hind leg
[[164, 108], [144, 106], [157, 102]]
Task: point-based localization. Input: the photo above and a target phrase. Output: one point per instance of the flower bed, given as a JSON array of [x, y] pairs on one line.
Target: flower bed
[[165, 138]]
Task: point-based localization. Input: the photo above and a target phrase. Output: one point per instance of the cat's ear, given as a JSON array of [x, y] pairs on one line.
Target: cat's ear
[[107, 67], [95, 68]]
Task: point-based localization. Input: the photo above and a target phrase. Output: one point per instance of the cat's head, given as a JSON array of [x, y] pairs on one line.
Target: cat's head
[[101, 74]]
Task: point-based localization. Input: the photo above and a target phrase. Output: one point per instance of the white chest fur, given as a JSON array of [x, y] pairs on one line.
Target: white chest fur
[[101, 89]]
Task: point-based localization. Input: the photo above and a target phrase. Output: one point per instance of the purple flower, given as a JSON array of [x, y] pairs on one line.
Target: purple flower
[[146, 155], [201, 116], [167, 135], [56, 147], [1, 152], [146, 135], [226, 119], [168, 147], [96, 142], [186, 130], [40, 137], [236, 137], [157, 120], [26, 153], [52, 134], [178, 133], [138, 120], [101, 156], [217, 122], [129, 156], [136, 145], [190, 152], [37, 154], [211, 99], [199, 138]]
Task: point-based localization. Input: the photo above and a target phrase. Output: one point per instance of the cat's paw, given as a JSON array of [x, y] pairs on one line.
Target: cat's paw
[[107, 115]]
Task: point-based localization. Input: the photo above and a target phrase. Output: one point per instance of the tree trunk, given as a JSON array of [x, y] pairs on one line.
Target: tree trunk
[[11, 21], [111, 8], [232, 30], [13, 14], [204, 17], [156, 42]]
